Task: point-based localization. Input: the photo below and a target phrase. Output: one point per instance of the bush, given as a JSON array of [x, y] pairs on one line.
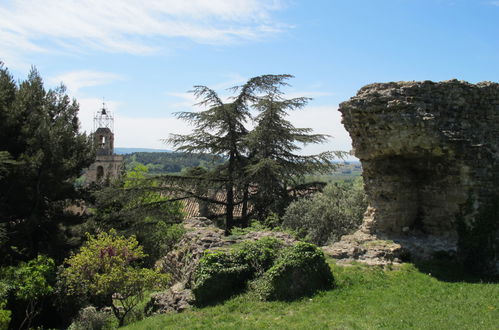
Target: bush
[[90, 318], [222, 274], [104, 267], [299, 271], [5, 314], [31, 282], [326, 217], [259, 255], [219, 275]]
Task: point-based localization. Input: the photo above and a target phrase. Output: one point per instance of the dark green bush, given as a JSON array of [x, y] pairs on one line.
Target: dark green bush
[[259, 255], [219, 275], [223, 274], [299, 271]]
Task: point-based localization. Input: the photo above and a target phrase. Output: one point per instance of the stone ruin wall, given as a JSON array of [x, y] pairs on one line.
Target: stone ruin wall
[[430, 153]]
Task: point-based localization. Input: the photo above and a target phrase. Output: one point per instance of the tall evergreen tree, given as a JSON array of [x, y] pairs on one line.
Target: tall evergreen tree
[[275, 166], [220, 129], [39, 133]]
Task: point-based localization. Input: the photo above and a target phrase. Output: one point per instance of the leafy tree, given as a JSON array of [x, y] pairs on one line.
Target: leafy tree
[[30, 282], [220, 130], [105, 267], [274, 165], [41, 154]]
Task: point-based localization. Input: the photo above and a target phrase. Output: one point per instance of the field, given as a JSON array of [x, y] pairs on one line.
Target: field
[[431, 297]]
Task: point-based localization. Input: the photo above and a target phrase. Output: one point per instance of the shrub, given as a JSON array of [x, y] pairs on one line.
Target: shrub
[[259, 255], [326, 217], [30, 282], [105, 267], [222, 274], [219, 275], [299, 271], [90, 318], [5, 314]]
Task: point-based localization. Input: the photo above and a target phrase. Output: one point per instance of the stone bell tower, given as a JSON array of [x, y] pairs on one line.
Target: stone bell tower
[[107, 165]]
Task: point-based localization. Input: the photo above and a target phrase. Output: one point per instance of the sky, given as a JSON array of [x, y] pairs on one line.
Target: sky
[[143, 56]]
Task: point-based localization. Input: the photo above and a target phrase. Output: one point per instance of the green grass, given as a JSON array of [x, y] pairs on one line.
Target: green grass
[[365, 298]]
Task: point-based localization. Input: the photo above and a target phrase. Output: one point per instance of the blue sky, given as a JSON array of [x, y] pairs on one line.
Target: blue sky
[[143, 56]]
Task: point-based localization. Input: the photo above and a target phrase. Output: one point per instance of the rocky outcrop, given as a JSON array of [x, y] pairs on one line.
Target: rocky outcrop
[[201, 235], [430, 154]]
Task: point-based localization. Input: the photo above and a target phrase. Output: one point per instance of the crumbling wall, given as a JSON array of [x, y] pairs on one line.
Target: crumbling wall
[[430, 154]]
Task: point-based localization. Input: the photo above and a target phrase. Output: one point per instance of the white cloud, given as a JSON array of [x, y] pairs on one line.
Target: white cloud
[[323, 120], [130, 26], [147, 132], [75, 80], [494, 3]]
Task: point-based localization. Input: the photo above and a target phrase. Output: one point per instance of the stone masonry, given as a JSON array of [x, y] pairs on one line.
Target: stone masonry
[[430, 154]]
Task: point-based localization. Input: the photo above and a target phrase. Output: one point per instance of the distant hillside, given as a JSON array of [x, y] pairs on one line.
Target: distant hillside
[[124, 151], [170, 162]]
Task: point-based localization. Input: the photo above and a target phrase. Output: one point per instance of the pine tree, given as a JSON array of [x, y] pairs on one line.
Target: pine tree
[[275, 166], [39, 133], [220, 129]]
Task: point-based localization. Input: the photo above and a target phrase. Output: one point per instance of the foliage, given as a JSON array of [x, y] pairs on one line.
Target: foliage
[[41, 153], [274, 163], [327, 216], [263, 158], [90, 318], [105, 267], [280, 273], [219, 275], [134, 207], [5, 314], [30, 282], [300, 270], [222, 274], [259, 255]]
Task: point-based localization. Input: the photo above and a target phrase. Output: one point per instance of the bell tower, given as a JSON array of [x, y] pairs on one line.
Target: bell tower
[[103, 132], [107, 165]]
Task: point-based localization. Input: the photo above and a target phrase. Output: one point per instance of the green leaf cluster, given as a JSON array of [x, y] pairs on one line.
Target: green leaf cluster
[[33, 279], [29, 282]]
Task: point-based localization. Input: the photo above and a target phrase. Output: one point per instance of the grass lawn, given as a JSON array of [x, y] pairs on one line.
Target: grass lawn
[[365, 298]]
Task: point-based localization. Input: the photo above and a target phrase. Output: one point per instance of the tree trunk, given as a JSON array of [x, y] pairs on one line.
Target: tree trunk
[[244, 211], [229, 216]]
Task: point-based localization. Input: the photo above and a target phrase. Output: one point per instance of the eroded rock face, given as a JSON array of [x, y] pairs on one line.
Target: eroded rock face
[[430, 154]]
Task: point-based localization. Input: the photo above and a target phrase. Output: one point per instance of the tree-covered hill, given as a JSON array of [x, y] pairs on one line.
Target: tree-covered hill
[[170, 162]]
